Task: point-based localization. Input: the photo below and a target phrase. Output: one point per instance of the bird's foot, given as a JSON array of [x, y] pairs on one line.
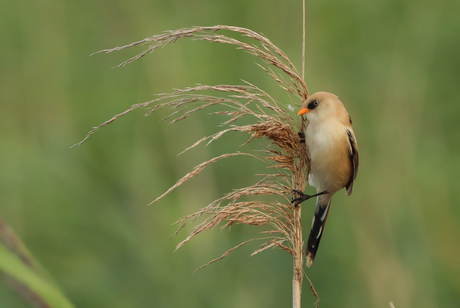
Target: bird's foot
[[303, 197], [301, 137]]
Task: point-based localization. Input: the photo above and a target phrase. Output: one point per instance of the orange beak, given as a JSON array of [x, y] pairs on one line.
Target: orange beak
[[303, 111]]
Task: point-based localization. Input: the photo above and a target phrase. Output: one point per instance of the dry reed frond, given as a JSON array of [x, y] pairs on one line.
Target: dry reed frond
[[267, 51], [286, 155]]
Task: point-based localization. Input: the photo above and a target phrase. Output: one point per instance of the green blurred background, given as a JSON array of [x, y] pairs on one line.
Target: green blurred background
[[82, 212]]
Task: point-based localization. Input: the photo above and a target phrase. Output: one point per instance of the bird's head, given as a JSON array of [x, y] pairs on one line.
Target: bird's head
[[319, 105]]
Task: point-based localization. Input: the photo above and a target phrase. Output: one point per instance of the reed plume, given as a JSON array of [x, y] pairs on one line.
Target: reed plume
[[272, 120]]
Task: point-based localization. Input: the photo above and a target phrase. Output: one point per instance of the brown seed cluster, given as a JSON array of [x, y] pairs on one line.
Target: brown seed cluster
[[286, 155]]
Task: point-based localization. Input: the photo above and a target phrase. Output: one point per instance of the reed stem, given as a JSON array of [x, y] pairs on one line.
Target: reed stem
[[298, 260]]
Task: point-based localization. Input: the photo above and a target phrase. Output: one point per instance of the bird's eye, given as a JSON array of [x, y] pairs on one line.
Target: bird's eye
[[312, 105]]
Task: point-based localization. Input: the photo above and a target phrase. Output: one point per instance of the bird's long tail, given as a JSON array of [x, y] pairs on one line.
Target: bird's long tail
[[323, 205]]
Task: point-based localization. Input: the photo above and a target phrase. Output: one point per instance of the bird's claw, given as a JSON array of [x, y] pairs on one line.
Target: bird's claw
[[303, 197], [301, 137]]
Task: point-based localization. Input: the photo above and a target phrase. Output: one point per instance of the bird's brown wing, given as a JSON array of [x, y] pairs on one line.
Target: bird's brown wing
[[354, 158]]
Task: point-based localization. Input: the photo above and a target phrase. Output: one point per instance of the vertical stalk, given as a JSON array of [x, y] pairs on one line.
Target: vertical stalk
[[298, 259], [303, 42]]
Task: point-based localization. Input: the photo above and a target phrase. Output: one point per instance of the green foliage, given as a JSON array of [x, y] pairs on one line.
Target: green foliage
[[26, 278], [83, 214]]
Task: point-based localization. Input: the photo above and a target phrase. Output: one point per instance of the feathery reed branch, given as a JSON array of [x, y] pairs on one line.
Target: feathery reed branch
[[272, 120], [268, 52]]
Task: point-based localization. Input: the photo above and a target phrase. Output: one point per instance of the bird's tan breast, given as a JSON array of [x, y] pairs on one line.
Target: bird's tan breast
[[327, 144]]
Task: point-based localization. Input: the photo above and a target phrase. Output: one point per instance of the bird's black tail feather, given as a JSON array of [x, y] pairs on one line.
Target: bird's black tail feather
[[317, 227]]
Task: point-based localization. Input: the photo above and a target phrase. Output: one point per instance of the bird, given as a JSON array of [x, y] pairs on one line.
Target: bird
[[334, 160]]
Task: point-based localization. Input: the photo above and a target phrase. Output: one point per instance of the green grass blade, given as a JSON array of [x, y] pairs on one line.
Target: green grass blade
[[12, 265]]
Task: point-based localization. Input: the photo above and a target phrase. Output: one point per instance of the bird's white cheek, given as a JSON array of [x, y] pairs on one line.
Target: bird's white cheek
[[309, 116]]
